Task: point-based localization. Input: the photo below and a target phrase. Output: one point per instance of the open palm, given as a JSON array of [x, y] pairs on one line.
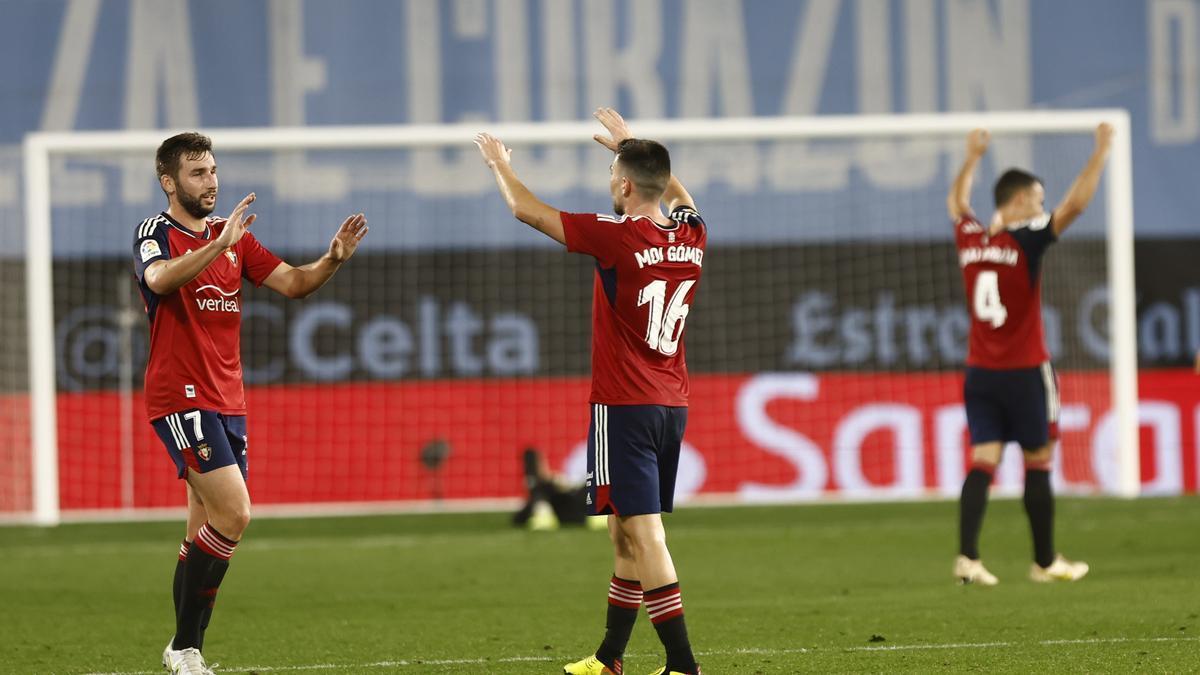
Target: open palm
[[345, 240], [618, 130]]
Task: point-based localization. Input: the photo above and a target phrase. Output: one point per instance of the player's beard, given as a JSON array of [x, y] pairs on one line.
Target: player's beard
[[193, 205], [618, 208]]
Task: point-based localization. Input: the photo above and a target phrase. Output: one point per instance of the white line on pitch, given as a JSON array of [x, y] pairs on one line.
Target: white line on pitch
[[749, 651]]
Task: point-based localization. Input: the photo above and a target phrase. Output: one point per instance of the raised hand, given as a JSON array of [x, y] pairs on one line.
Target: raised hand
[[618, 130], [492, 149], [237, 224], [345, 240], [977, 142], [1104, 136]]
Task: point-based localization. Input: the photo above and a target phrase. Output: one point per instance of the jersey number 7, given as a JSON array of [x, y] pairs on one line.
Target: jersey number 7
[[665, 326]]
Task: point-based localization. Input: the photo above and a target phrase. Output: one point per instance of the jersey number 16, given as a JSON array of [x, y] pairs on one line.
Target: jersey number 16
[[665, 327]]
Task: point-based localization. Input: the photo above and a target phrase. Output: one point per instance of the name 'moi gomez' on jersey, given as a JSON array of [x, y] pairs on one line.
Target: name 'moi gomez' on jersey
[[681, 254]]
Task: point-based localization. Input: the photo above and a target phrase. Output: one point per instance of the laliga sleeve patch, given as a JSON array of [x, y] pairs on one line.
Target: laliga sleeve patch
[[150, 249]]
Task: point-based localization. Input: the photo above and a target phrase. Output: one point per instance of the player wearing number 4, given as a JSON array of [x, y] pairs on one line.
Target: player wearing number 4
[[647, 268], [1011, 391], [189, 269]]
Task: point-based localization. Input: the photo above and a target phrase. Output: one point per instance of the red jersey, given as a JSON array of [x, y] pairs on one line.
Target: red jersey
[[195, 333], [646, 277], [1003, 279]]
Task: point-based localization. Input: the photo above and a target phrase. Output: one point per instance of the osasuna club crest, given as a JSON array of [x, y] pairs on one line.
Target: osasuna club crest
[[204, 451]]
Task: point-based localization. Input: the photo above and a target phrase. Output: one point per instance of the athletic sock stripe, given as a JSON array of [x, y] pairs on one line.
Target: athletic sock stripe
[[204, 544], [219, 537], [624, 593], [656, 611], [213, 549], [989, 469], [624, 583], [662, 602], [212, 539], [625, 596], [660, 614], [214, 544], [183, 550], [666, 617]]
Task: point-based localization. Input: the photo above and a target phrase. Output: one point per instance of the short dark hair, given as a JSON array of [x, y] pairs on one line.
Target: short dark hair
[[191, 144], [647, 164], [1010, 183]]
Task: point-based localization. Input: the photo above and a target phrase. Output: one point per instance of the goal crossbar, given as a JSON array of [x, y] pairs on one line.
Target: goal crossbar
[[731, 128]]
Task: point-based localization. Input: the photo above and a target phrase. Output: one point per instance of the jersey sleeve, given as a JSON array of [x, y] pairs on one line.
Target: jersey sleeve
[[1037, 237], [149, 245], [595, 234], [257, 261], [965, 225]]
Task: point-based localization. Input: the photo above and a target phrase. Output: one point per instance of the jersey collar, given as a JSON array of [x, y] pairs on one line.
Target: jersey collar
[[206, 234], [665, 228]]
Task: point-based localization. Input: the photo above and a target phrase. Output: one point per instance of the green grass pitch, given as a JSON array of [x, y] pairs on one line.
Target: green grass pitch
[[817, 588]]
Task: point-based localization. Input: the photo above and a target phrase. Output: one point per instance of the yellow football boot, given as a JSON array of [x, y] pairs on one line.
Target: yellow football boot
[[590, 666]]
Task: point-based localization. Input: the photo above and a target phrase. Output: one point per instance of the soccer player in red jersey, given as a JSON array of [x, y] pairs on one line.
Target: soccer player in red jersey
[[1011, 390], [189, 268], [647, 269]]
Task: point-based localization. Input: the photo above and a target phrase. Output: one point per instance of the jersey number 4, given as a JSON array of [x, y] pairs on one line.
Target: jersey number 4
[[986, 301], [665, 325]]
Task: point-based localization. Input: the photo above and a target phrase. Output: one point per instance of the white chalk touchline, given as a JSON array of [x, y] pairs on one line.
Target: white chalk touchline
[[748, 651]]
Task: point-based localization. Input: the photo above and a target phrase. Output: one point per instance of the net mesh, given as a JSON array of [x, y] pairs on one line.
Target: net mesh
[[825, 345], [15, 484]]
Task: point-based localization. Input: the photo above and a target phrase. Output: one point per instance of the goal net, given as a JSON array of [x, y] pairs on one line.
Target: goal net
[[826, 345]]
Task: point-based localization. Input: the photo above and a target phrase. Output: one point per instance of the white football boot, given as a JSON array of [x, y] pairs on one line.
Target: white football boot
[[969, 571], [1059, 570], [186, 662]]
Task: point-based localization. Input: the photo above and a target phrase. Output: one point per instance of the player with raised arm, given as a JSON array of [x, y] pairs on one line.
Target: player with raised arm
[[1011, 390], [647, 269], [189, 268]]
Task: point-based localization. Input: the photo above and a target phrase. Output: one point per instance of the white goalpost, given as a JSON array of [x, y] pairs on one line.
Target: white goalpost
[[42, 150]]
